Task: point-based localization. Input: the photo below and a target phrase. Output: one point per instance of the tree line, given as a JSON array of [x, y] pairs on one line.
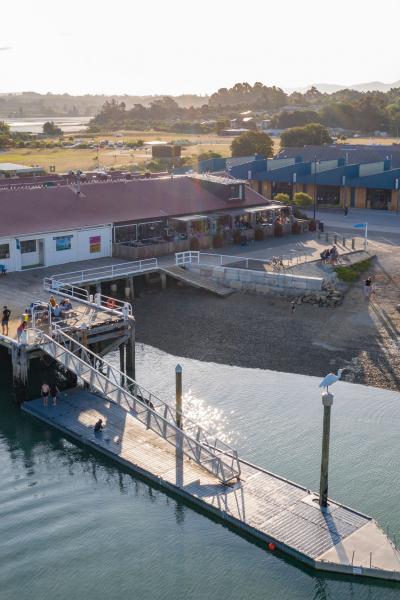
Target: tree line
[[350, 110]]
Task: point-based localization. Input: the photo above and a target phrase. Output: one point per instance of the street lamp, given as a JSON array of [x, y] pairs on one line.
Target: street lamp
[[315, 185]]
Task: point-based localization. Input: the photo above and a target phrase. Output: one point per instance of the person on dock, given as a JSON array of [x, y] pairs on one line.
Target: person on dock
[[5, 319], [21, 335], [54, 391], [98, 426], [45, 393]]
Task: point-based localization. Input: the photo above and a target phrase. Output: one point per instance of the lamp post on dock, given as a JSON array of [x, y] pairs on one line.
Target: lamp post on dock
[[327, 402]]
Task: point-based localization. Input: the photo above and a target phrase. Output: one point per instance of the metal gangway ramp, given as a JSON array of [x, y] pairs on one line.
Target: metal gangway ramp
[[192, 440]]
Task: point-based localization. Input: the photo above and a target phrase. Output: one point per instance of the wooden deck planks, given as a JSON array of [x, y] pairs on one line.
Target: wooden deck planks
[[272, 507]]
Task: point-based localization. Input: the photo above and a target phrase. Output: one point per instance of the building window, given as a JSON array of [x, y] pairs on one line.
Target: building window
[[63, 242], [4, 250], [95, 244], [28, 246]]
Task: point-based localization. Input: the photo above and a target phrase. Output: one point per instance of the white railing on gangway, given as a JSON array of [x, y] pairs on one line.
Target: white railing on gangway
[[98, 300], [193, 440], [108, 271]]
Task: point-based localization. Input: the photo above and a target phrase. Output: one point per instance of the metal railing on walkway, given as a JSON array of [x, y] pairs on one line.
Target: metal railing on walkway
[[107, 272], [230, 260], [193, 440], [96, 301]]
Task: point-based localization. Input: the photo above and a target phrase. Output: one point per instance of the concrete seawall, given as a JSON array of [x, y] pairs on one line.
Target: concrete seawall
[[258, 282]]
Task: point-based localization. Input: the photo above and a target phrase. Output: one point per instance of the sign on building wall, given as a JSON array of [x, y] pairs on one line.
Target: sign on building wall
[[95, 244], [63, 242]]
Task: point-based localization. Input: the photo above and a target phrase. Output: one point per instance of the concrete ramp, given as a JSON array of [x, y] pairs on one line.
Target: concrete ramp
[[198, 281]]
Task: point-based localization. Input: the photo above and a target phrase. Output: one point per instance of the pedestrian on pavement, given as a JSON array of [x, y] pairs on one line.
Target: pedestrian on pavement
[[5, 319], [293, 309], [346, 210], [368, 287]]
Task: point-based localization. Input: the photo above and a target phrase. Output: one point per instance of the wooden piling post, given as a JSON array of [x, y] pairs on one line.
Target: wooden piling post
[[131, 353], [178, 388], [131, 287], [353, 243], [344, 242], [122, 363], [335, 239], [163, 277], [20, 365], [327, 402]]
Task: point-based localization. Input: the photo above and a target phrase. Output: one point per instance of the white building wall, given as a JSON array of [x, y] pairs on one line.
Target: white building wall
[[85, 244]]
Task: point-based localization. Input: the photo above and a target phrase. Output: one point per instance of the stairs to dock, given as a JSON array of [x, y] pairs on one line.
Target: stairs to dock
[[195, 280], [194, 441]]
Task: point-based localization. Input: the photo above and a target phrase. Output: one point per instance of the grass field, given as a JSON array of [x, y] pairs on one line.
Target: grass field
[[66, 159]]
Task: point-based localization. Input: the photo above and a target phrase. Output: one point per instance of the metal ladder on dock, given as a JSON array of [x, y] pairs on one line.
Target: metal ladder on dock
[[194, 441]]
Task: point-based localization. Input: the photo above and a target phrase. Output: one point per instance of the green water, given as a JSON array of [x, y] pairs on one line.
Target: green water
[[74, 526]]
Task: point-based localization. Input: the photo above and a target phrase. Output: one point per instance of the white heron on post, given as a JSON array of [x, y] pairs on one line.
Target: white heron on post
[[330, 379]]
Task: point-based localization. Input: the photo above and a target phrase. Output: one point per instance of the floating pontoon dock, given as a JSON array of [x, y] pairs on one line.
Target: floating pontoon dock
[[264, 505]]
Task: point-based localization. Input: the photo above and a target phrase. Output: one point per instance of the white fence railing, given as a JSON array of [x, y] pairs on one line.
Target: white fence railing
[[193, 440], [107, 272], [212, 259], [99, 301]]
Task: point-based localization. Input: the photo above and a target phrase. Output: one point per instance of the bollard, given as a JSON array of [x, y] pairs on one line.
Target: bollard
[[327, 401], [353, 243], [178, 389]]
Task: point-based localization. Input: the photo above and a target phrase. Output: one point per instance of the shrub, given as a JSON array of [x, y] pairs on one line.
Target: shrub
[[353, 272], [296, 228], [302, 199], [284, 198], [194, 244]]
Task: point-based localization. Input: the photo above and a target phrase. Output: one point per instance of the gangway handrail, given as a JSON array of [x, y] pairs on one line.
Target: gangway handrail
[[194, 444], [99, 301], [99, 273]]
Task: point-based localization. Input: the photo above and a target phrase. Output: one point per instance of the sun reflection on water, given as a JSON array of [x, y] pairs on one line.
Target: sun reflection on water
[[213, 419]]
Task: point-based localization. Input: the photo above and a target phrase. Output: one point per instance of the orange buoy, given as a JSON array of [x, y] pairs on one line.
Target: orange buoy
[[271, 546]]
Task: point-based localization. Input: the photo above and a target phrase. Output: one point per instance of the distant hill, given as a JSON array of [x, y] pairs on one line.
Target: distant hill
[[331, 88]]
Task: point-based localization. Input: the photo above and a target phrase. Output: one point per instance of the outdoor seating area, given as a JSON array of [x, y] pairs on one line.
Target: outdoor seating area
[[202, 231]]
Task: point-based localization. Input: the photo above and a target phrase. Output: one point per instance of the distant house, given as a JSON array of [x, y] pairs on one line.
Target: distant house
[[15, 170]]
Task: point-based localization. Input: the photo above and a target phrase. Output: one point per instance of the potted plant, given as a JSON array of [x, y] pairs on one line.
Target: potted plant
[[237, 237], [194, 244], [278, 230], [218, 242], [258, 235]]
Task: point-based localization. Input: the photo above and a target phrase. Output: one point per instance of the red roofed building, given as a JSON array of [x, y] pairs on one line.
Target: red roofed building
[[43, 226]]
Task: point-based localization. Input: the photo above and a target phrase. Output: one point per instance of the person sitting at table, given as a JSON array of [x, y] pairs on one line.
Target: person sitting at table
[[52, 301], [56, 312]]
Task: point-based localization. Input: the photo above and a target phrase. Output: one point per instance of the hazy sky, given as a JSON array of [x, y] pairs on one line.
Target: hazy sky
[[176, 46]]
